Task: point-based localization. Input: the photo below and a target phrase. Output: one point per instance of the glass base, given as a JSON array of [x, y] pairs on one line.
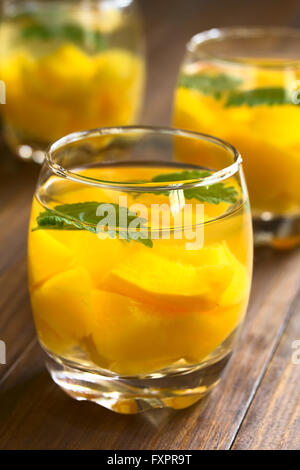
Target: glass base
[[130, 395], [279, 232], [23, 147]]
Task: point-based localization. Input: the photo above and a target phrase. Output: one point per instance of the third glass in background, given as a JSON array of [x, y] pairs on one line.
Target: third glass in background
[[68, 66], [241, 85]]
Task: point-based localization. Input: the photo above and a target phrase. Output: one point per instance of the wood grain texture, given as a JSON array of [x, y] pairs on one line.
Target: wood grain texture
[[256, 405], [273, 419], [16, 326], [17, 182]]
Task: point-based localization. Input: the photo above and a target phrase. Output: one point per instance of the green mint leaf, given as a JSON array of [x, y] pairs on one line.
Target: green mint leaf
[[181, 175], [226, 85], [73, 32], [259, 96], [131, 236], [36, 31], [93, 40], [96, 40], [51, 219], [146, 241], [207, 84], [83, 216], [213, 194]]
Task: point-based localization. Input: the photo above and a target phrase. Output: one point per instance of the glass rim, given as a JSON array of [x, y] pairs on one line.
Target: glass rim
[[77, 137], [236, 32]]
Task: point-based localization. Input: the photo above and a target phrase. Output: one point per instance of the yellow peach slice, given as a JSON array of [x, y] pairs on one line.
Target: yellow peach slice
[[238, 289], [65, 303], [53, 251], [69, 71], [98, 256], [51, 339], [277, 124], [211, 329], [39, 117], [194, 112], [279, 190], [116, 65], [46, 258], [172, 286], [130, 338], [201, 113], [209, 255], [86, 91]]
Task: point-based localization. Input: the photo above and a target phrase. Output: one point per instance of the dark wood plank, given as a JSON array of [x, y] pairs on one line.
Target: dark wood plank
[[17, 183], [273, 420], [16, 324]]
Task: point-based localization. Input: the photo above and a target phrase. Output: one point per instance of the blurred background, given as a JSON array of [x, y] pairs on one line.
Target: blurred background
[[169, 24]]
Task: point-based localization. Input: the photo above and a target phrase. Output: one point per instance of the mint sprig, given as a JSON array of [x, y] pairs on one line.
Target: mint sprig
[[215, 85], [259, 96], [212, 194], [83, 216], [225, 87], [181, 176], [73, 32]]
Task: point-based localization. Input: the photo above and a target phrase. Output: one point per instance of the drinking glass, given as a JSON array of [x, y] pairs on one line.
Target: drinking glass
[[139, 264], [241, 84], [68, 65]]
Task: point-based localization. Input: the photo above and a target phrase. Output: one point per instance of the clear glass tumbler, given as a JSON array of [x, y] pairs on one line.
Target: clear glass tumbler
[[242, 85], [68, 65], [139, 264]]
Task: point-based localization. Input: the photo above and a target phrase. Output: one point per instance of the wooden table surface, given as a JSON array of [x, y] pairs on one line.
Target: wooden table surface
[[257, 404]]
